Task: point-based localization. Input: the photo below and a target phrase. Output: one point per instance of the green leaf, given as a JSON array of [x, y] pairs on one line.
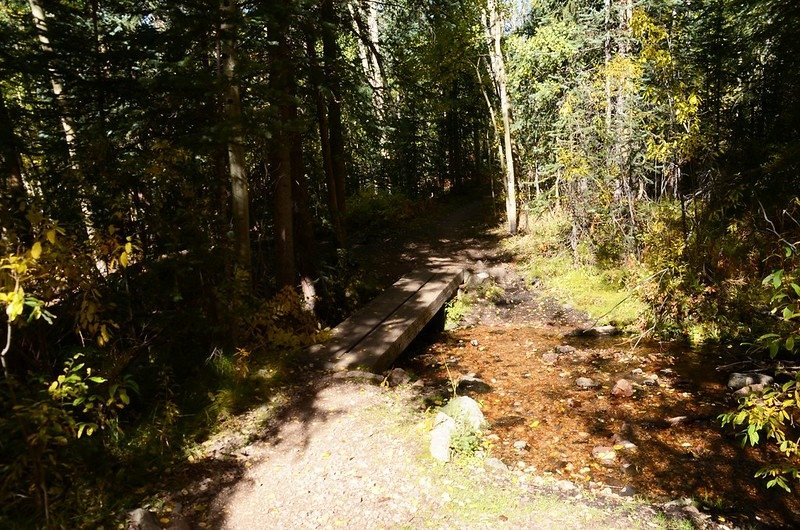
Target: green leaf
[[790, 343], [97, 379]]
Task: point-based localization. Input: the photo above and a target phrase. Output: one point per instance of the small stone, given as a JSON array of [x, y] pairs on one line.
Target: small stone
[[566, 485], [627, 491], [141, 519], [585, 383], [474, 342], [650, 380], [549, 358], [470, 383], [564, 349], [520, 445], [521, 465], [605, 455], [622, 389], [398, 376], [496, 464], [749, 389]]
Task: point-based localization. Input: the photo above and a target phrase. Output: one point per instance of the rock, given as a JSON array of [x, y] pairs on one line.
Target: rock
[[622, 443], [564, 349], [477, 279], [141, 519], [565, 485], [604, 454], [622, 389], [600, 330], [650, 380], [627, 491], [495, 464], [398, 376], [550, 358], [441, 435], [750, 389], [474, 342], [466, 411], [586, 383], [520, 445], [737, 381], [470, 383]]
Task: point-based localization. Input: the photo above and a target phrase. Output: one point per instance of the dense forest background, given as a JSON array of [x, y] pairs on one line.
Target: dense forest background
[[181, 182]]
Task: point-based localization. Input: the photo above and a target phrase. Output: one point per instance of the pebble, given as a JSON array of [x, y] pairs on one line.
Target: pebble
[[622, 389], [604, 454], [520, 445], [585, 383]]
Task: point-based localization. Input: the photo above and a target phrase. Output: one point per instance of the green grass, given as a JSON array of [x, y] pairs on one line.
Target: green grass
[[588, 288], [606, 293]]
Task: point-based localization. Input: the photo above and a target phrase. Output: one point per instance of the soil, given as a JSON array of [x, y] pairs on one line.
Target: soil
[[353, 454]]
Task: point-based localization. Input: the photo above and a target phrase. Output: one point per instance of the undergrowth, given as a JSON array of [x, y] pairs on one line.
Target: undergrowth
[[607, 293]]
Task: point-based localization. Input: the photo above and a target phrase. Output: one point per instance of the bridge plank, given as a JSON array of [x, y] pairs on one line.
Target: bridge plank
[[346, 335], [379, 349]]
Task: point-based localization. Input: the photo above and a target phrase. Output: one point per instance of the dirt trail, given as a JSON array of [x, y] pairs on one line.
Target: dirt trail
[[354, 454]]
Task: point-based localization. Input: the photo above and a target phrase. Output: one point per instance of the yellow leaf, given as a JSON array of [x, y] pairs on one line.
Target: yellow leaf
[[129, 248], [36, 250], [123, 259], [51, 236]]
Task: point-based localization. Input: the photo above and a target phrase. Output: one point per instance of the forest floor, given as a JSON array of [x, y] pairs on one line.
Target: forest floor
[[334, 453]]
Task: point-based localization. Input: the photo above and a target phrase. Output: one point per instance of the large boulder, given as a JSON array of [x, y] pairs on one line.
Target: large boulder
[[465, 411], [461, 414]]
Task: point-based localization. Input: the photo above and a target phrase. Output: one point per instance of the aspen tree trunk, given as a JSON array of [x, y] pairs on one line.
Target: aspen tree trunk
[[240, 193], [494, 38], [369, 50], [40, 22]]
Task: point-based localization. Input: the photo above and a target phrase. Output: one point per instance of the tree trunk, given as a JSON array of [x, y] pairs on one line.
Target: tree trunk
[[283, 84], [325, 145], [305, 248], [332, 56], [494, 38], [68, 126], [240, 195]]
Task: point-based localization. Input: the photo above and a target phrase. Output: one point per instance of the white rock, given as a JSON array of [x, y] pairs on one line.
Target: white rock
[[441, 436], [466, 411]]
